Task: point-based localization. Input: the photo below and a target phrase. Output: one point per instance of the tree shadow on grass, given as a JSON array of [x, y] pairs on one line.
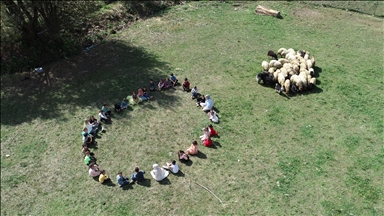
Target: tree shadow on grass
[[105, 74]]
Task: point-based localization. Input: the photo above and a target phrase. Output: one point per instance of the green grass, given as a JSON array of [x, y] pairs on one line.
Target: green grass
[[318, 153]]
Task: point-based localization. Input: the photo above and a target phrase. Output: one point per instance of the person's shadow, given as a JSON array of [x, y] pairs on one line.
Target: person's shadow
[[179, 174], [201, 155], [188, 163], [145, 183], [127, 187], [109, 183], [165, 181]]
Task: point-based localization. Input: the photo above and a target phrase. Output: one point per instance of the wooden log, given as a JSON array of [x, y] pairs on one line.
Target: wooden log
[[267, 11]]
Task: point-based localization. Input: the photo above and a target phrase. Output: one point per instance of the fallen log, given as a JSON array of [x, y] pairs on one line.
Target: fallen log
[[267, 11]]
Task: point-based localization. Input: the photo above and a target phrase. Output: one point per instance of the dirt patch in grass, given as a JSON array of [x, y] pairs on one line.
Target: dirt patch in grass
[[307, 13]]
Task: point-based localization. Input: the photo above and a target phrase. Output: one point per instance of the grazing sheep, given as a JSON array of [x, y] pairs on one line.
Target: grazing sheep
[[265, 65], [293, 89], [272, 63], [280, 79], [312, 83], [296, 80], [301, 53], [281, 50], [283, 61], [287, 86], [272, 54], [266, 77], [278, 88], [311, 72], [290, 50], [309, 63], [303, 77], [277, 64], [313, 61], [296, 68], [306, 56], [284, 72], [271, 70]]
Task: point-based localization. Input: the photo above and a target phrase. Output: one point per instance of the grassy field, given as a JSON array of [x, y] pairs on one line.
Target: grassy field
[[318, 153]]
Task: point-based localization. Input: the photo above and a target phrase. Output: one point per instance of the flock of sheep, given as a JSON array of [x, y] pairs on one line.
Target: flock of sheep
[[293, 72]]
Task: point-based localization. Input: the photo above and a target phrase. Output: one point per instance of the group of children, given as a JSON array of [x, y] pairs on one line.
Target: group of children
[[92, 126]]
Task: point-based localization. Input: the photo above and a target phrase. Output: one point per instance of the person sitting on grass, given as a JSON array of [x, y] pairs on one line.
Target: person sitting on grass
[[87, 136], [106, 110], [93, 121], [85, 149], [122, 180], [212, 131], [124, 104], [186, 85], [208, 105], [205, 135], [88, 159], [193, 149], [138, 175], [208, 142], [160, 85], [159, 173], [194, 92], [135, 98], [140, 93], [182, 156], [173, 79], [200, 100], [117, 108], [93, 170], [151, 85], [173, 167], [146, 93], [103, 177], [167, 83], [212, 116], [103, 117]]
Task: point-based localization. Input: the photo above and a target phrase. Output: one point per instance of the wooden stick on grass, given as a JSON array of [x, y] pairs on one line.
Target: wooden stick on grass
[[210, 192]]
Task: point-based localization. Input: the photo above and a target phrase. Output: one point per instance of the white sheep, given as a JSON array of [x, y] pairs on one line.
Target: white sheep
[[272, 62], [287, 86], [277, 64], [311, 71], [309, 63], [313, 61], [281, 50], [312, 83], [284, 61], [296, 80], [281, 79], [265, 65], [303, 77], [271, 70]]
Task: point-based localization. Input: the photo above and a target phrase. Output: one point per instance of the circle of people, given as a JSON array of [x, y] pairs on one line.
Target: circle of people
[[92, 126]]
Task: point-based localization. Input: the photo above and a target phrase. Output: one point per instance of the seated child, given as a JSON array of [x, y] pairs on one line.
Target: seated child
[[103, 117], [182, 156], [205, 135], [212, 131], [173, 79], [124, 104], [140, 93], [208, 104], [167, 83], [193, 149], [88, 159], [194, 92], [122, 180], [86, 135], [200, 100], [146, 93], [151, 85], [212, 116], [94, 123], [208, 142], [173, 167], [106, 110], [138, 175], [103, 177], [117, 108], [85, 149], [93, 170], [135, 98], [159, 173], [161, 84], [186, 85]]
